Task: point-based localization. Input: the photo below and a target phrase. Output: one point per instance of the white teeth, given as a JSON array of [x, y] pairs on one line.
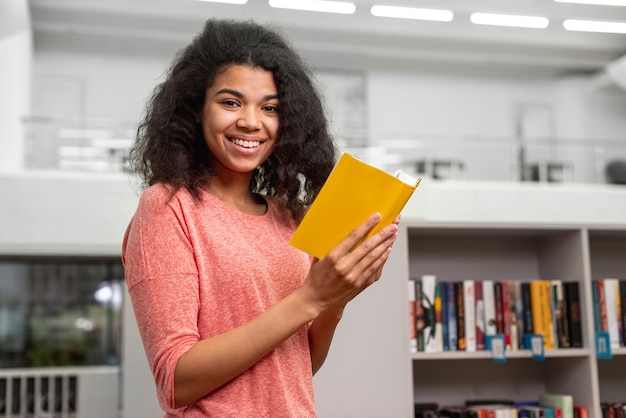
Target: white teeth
[[245, 144]]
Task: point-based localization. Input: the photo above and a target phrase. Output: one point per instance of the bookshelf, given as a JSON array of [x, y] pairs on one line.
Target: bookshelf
[[517, 252]]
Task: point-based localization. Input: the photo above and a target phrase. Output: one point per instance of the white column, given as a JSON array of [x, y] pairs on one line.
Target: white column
[[16, 52]]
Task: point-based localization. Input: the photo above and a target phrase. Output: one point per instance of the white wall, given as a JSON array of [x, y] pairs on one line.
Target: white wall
[[15, 76]]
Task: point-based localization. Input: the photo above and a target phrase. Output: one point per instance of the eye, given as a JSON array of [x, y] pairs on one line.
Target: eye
[[230, 103], [270, 108]]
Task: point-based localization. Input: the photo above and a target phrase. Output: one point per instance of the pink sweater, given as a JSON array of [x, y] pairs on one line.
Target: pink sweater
[[195, 270]]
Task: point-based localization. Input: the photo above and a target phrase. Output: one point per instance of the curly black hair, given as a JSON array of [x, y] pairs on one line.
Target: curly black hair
[[170, 146]]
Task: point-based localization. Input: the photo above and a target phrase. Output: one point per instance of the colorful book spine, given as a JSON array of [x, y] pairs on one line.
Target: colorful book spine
[[611, 311], [490, 308], [428, 302], [452, 316], [443, 290], [572, 300], [526, 309], [412, 317], [419, 316], [480, 315], [506, 314], [460, 316], [470, 315], [438, 319]]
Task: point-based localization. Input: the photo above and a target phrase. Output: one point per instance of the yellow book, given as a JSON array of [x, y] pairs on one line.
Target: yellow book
[[541, 309], [354, 191]]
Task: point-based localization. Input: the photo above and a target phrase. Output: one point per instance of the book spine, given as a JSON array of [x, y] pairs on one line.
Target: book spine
[[548, 314], [602, 304], [451, 308], [419, 316], [428, 302], [618, 312], [480, 315], [562, 341], [611, 311], [438, 319], [506, 314], [443, 290], [412, 317], [497, 294], [519, 313], [622, 292], [597, 314], [513, 327], [526, 309], [470, 315], [572, 298], [490, 307], [460, 316]]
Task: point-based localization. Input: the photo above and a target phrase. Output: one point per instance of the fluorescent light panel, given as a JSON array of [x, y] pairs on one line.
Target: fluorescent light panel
[[412, 13], [594, 26], [341, 7], [595, 2], [518, 21], [227, 1]]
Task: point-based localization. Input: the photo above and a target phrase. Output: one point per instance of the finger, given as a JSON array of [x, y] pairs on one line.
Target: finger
[[372, 254], [357, 234]]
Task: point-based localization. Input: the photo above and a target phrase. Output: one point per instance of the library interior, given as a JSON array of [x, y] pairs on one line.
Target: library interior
[[505, 292]]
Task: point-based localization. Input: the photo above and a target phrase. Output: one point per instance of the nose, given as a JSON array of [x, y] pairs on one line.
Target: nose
[[249, 119]]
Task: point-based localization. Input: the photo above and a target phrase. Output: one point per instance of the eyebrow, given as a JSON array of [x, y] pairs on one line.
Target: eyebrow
[[239, 95]]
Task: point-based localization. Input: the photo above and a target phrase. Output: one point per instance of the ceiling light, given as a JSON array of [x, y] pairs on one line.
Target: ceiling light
[[342, 7], [594, 26], [596, 2], [412, 13], [227, 1], [496, 19]]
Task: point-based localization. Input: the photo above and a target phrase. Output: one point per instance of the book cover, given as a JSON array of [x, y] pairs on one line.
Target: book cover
[[580, 411], [353, 191], [561, 402], [574, 325], [514, 324], [597, 314]]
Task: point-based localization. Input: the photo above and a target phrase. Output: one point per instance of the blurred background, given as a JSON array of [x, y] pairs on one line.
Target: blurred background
[[470, 91]]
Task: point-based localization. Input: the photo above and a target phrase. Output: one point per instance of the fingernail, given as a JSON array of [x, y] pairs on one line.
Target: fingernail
[[376, 216]]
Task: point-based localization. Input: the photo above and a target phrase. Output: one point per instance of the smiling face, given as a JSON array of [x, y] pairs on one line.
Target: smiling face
[[239, 119]]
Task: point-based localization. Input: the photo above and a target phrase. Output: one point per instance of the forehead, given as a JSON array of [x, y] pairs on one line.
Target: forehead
[[244, 75]]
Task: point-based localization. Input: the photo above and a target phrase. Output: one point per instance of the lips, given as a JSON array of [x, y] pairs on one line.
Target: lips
[[244, 143]]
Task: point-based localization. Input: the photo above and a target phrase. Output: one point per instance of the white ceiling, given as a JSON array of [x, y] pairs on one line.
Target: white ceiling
[[349, 41]]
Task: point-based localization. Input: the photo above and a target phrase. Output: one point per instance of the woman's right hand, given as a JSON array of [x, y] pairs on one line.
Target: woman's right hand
[[336, 279]]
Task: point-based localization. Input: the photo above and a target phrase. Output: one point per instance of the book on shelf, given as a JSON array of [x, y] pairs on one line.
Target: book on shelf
[[451, 301], [438, 318], [574, 325], [443, 291], [429, 284], [622, 299], [460, 316], [469, 310], [514, 337], [419, 315], [610, 286], [559, 314], [490, 308], [581, 411], [541, 308], [412, 317], [353, 191], [479, 313], [563, 403], [526, 309]]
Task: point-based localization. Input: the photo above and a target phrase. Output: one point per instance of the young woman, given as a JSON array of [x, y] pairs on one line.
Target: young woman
[[233, 148]]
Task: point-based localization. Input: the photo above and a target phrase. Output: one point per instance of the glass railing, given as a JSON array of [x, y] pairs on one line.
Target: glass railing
[[102, 146], [501, 159]]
